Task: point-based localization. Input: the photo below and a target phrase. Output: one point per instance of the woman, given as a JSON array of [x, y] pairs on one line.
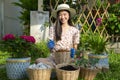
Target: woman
[[63, 33]]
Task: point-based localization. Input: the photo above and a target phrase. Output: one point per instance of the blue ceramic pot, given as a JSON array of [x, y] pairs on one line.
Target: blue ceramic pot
[[16, 67], [101, 60]]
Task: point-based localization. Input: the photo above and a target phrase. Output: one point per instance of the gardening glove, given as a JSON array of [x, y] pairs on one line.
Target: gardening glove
[[50, 44], [72, 52]]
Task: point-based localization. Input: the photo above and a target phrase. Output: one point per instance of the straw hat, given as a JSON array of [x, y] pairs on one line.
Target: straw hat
[[64, 7]]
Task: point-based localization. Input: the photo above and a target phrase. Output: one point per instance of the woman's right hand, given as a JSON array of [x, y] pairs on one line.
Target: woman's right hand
[[50, 44]]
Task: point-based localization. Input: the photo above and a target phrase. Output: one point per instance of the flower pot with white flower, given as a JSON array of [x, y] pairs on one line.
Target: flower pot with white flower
[[40, 71], [19, 48]]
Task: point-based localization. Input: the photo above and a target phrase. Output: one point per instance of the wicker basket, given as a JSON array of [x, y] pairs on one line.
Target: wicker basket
[[87, 73], [65, 74], [39, 74], [62, 57]]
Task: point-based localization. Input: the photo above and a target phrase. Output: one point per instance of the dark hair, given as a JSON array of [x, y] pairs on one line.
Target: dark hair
[[58, 28]]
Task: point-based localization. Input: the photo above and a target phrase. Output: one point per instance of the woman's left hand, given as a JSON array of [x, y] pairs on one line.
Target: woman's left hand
[[72, 52]]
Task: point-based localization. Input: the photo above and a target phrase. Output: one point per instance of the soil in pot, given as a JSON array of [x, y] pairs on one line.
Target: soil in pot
[[68, 68]]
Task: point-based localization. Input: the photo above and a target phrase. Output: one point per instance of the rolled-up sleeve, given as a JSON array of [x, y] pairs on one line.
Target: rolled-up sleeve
[[76, 37]]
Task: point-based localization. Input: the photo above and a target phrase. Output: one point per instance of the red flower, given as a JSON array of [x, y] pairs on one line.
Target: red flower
[[9, 37], [28, 38], [16, 45]]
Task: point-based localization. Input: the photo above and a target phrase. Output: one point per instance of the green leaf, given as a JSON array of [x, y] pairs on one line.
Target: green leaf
[[116, 31], [112, 27], [119, 27]]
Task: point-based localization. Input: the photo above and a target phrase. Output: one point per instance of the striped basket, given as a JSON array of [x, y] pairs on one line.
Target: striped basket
[[87, 73], [39, 74], [66, 74]]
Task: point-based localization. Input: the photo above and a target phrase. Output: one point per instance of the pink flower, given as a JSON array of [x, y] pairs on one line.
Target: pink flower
[[98, 21], [9, 37]]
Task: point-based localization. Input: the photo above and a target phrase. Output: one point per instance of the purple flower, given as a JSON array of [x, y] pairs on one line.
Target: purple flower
[[98, 21]]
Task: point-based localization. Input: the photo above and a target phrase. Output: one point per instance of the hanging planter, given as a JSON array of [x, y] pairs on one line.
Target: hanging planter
[[16, 67]]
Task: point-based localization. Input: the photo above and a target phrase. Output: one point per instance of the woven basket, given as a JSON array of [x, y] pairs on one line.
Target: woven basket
[[65, 74], [87, 73], [62, 57], [39, 74]]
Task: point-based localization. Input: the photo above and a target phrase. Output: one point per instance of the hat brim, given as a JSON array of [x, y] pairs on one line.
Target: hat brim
[[71, 10]]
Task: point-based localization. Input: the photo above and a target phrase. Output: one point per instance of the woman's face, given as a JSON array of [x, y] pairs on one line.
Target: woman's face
[[63, 16]]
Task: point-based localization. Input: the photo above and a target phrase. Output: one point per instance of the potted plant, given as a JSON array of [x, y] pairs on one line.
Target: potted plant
[[88, 69], [19, 48], [40, 71], [98, 49], [95, 45]]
